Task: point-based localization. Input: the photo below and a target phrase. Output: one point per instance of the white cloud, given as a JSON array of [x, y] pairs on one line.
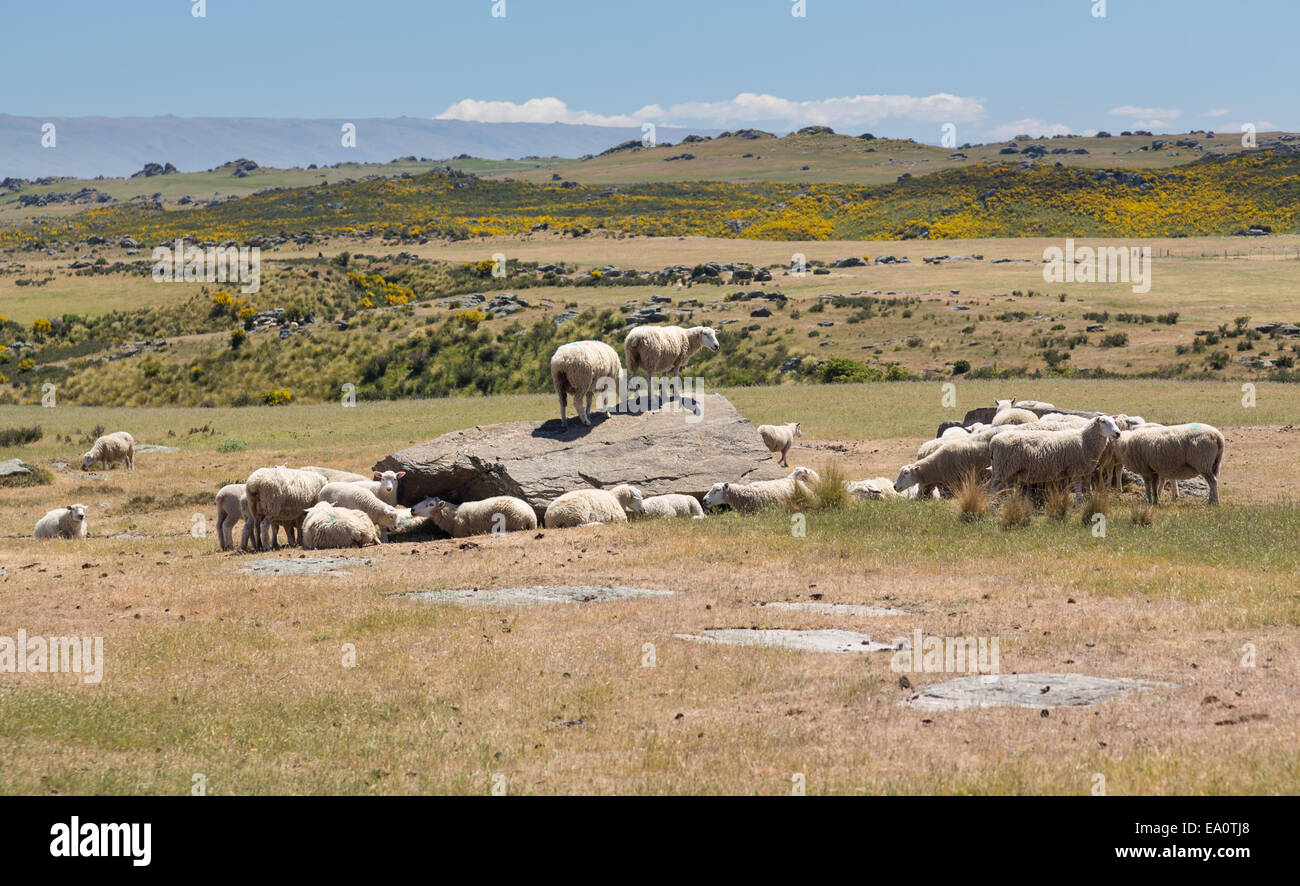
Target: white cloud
[[1217, 112], [1032, 127], [747, 108], [1152, 125], [1156, 113]]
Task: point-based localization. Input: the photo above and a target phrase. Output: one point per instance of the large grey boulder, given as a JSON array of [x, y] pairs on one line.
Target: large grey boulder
[[14, 467], [684, 449]]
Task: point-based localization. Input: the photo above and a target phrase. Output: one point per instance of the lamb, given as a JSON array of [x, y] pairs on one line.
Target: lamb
[[761, 493], [232, 506], [502, 513], [1014, 416], [110, 449], [779, 438], [1177, 452], [947, 466], [325, 526], [673, 505], [582, 368], [880, 488], [358, 497], [280, 496], [69, 522], [1032, 457], [583, 507], [335, 476], [664, 350]]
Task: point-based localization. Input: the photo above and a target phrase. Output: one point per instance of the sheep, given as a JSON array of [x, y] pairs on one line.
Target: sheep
[[779, 438], [873, 490], [761, 493], [280, 496], [1177, 452], [664, 350], [583, 507], [1012, 403], [110, 449], [325, 526], [673, 505], [1014, 416], [502, 513], [69, 522], [232, 506], [335, 476], [1032, 457], [581, 368], [947, 466], [358, 497], [954, 433]]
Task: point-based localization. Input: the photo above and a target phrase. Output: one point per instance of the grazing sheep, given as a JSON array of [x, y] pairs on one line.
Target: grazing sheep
[[336, 476], [929, 447], [583, 507], [325, 526], [760, 493], [232, 506], [779, 438], [502, 513], [280, 496], [878, 489], [1014, 416], [358, 497], [1177, 452], [664, 350], [672, 505], [69, 522], [1023, 458], [581, 368], [947, 466], [110, 449]]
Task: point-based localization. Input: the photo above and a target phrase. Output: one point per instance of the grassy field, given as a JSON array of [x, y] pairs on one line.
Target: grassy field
[[241, 677]]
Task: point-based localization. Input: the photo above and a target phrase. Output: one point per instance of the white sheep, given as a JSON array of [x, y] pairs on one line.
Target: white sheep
[[501, 513], [69, 522], [761, 493], [336, 476], [110, 449], [583, 507], [1034, 457], [877, 489], [232, 506], [1177, 452], [358, 497], [947, 466], [779, 438], [279, 496], [664, 350], [673, 505], [582, 368], [325, 526], [955, 432], [1014, 416]]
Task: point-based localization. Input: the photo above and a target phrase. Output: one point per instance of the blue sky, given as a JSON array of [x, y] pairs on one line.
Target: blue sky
[[894, 68]]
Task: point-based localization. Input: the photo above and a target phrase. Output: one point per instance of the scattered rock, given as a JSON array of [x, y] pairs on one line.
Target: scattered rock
[[826, 640], [305, 565], [853, 609], [538, 594], [1024, 690]]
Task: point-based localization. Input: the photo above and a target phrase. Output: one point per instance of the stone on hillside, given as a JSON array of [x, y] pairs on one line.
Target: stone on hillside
[[15, 467], [1023, 690], [679, 448]]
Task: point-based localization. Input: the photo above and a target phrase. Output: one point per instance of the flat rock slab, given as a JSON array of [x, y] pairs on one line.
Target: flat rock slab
[[14, 467], [1024, 690], [674, 449], [853, 609], [828, 640], [304, 565], [536, 595], [154, 447]]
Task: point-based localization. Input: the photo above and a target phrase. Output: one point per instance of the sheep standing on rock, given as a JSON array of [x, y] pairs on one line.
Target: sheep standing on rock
[[1034, 457], [501, 513], [582, 368], [325, 526], [1177, 452], [672, 505], [280, 496], [69, 522], [779, 438], [359, 498], [761, 493], [232, 506], [664, 350], [110, 449], [583, 507]]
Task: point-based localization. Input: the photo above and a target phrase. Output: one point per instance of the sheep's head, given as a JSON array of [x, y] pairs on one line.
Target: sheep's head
[[427, 507], [706, 336], [717, 494], [319, 508], [630, 498], [805, 475], [86, 459], [388, 480], [1108, 426], [1004, 404], [78, 511], [906, 478], [798, 429]]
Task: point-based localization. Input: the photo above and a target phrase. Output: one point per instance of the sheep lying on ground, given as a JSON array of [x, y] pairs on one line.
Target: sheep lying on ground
[[358, 497], [1177, 452], [880, 488], [761, 493], [583, 507], [502, 513], [280, 496], [335, 476], [947, 466], [581, 368], [664, 350], [1033, 457], [779, 438], [1014, 416], [69, 522], [110, 449], [325, 526], [672, 505], [232, 506]]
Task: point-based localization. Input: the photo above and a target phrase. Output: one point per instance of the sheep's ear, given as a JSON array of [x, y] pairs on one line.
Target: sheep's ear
[[401, 474], [378, 476]]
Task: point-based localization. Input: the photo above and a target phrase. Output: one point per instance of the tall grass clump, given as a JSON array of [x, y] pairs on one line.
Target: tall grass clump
[[1097, 501], [1017, 509], [1056, 501], [972, 497], [828, 490]]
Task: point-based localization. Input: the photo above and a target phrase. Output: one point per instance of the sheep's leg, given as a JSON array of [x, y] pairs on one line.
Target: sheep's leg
[[223, 532], [1152, 482], [586, 409], [1213, 482], [785, 459], [564, 405], [1173, 489]]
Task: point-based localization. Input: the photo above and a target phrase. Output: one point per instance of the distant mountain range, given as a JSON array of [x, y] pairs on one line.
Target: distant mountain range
[[118, 146]]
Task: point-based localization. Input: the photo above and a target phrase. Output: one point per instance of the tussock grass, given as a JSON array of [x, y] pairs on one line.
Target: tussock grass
[[971, 497], [1016, 510], [1056, 502], [1141, 514], [1097, 501], [829, 492]]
